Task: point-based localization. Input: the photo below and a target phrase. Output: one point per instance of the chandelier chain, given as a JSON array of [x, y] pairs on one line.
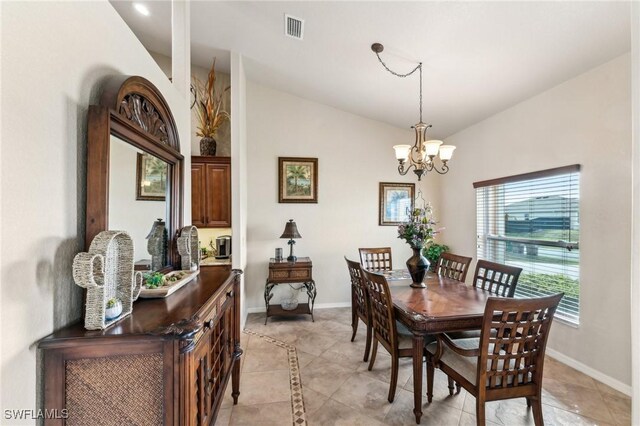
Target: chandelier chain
[[417, 68]]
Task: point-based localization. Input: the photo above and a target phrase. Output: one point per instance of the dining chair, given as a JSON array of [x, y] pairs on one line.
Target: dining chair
[[359, 304], [391, 334], [506, 361], [496, 278], [453, 266], [376, 258]]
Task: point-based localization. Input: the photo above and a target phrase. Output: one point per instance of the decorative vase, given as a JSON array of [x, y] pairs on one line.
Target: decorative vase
[[208, 146], [418, 265]]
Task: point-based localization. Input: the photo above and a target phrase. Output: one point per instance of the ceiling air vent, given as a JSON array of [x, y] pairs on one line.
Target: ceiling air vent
[[293, 27]]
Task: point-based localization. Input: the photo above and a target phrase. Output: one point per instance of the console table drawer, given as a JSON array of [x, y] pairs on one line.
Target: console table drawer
[[290, 274]]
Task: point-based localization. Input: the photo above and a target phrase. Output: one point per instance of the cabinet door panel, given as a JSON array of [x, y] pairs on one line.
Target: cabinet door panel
[[218, 195], [201, 391], [198, 214]]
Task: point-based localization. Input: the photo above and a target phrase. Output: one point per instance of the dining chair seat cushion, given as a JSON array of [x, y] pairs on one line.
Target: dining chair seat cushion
[[404, 336], [466, 366], [467, 334]]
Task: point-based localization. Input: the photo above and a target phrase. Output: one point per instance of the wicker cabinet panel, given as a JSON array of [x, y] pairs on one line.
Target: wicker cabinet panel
[[126, 387]]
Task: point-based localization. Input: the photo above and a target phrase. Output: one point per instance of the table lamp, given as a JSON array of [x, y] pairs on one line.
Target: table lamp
[[291, 232]]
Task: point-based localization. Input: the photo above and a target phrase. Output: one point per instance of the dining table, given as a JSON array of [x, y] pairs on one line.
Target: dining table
[[444, 305]]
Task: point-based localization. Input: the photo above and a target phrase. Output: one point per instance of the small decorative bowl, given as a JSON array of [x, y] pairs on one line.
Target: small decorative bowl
[[289, 304], [114, 311]]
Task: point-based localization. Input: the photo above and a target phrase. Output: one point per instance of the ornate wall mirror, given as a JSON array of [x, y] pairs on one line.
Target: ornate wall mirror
[[134, 171]]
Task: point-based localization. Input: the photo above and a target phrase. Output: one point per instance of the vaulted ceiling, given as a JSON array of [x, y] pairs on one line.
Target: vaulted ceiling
[[479, 57]]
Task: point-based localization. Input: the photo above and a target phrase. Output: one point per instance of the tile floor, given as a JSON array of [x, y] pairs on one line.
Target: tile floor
[[338, 389]]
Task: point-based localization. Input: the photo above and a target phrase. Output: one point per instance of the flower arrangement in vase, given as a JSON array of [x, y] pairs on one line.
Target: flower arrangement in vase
[[209, 111], [418, 232]]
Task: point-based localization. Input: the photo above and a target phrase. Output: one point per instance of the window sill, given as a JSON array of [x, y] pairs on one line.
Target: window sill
[[567, 322]]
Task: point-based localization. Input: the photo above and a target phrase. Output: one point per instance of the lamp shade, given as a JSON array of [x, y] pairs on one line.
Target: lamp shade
[[432, 147], [446, 152], [402, 151], [291, 230]]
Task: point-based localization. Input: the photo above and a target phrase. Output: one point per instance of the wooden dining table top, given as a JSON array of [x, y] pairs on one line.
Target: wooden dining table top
[[444, 305]]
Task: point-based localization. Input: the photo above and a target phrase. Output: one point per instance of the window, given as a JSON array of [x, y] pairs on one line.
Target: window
[[532, 221]]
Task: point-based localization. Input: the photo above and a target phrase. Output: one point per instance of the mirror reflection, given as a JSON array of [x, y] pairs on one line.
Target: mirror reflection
[[138, 202]]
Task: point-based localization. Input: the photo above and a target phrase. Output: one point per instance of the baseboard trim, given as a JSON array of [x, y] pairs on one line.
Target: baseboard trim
[[591, 372], [317, 306]]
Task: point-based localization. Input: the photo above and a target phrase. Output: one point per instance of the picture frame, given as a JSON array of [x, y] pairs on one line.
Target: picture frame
[[396, 200], [297, 180], [151, 178]]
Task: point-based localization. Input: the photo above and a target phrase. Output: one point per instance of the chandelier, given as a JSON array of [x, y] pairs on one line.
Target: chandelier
[[421, 156]]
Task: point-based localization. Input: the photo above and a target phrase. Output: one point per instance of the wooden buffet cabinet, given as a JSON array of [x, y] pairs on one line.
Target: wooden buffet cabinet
[[168, 363], [211, 192]]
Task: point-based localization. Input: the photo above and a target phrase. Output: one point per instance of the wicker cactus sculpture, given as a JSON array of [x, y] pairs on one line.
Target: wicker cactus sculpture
[[106, 271], [189, 247]]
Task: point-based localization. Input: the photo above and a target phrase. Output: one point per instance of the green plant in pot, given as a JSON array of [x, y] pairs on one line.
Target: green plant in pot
[[113, 309], [418, 232], [432, 252], [209, 111]]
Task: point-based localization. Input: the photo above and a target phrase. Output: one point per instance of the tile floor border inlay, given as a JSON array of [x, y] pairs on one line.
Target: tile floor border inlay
[[298, 413]]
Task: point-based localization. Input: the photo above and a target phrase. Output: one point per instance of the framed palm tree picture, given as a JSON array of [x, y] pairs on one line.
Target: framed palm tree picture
[[151, 178], [297, 180], [396, 202]]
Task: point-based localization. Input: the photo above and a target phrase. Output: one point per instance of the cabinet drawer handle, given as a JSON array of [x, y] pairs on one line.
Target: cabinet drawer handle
[[229, 294], [208, 324]]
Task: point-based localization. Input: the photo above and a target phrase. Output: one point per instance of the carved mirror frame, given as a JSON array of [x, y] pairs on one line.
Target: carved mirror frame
[[134, 110]]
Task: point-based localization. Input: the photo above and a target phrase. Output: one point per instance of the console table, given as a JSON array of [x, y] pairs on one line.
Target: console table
[[168, 363], [285, 272]]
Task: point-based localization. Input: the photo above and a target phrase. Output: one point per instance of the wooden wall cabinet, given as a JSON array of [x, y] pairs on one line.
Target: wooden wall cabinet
[[168, 363], [211, 192]]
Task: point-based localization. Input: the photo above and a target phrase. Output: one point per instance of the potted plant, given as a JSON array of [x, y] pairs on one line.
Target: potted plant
[[113, 309], [432, 252], [209, 111], [418, 232]]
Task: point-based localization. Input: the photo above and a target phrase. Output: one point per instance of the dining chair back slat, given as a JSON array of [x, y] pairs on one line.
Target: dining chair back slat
[[359, 303], [453, 266], [513, 340], [496, 278], [382, 315], [376, 259]]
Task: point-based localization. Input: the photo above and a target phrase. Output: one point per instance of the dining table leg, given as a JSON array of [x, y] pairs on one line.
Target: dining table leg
[[418, 354]]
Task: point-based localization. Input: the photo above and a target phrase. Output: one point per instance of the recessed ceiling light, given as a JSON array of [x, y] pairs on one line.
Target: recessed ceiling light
[[142, 9]]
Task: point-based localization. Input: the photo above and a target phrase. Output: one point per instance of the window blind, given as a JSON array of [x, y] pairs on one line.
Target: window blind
[[532, 221]]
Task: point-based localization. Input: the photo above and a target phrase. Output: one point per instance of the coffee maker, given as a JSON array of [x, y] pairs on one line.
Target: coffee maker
[[223, 247]]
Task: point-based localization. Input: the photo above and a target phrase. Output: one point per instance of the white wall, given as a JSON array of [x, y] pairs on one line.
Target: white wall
[[635, 221], [55, 56], [585, 120], [354, 155], [239, 174]]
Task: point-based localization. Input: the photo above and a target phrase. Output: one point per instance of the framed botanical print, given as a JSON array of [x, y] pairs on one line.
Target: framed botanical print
[[151, 178], [297, 180], [396, 203]]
